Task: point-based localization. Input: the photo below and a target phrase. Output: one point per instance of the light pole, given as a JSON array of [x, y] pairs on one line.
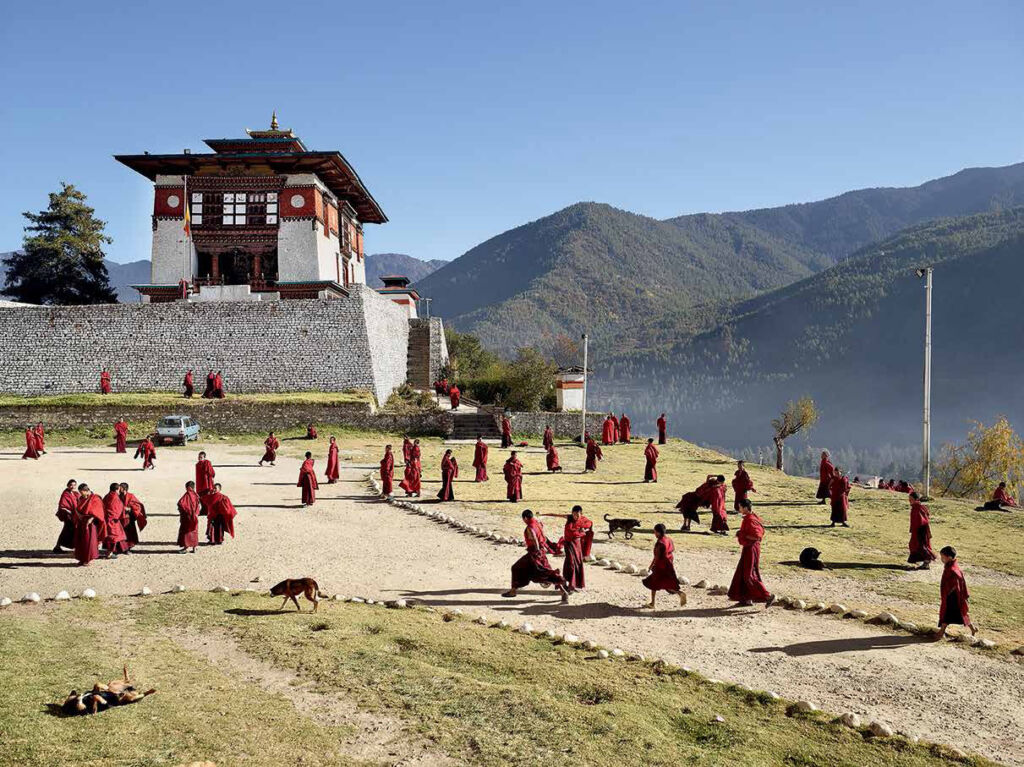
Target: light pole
[[583, 429], [926, 273], [426, 306]]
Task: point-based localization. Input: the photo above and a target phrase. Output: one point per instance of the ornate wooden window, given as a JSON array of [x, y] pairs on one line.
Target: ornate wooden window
[[232, 209]]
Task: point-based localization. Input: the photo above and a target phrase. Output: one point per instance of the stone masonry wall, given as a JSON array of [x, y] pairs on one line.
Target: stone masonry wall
[[566, 425], [438, 344], [359, 342]]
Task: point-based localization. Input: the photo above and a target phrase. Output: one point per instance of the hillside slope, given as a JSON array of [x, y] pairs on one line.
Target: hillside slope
[[378, 264]]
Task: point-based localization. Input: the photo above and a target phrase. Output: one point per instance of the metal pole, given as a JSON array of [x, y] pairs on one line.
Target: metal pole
[[583, 430], [927, 423]]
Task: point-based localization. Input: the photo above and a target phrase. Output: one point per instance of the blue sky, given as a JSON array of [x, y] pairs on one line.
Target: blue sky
[[466, 120]]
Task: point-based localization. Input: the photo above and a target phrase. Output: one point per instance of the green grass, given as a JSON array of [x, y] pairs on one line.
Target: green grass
[[484, 696], [174, 399]]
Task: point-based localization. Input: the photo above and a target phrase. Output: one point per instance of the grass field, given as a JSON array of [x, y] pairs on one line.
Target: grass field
[[174, 399], [479, 695]]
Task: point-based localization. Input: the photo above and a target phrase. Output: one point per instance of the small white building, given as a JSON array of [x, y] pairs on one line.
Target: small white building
[[569, 388]]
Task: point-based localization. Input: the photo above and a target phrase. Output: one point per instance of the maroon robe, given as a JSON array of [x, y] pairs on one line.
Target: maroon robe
[[270, 454], [741, 485], [218, 386], [114, 541], [839, 492], [210, 381], [413, 476], [576, 538], [651, 468], [689, 504], [105, 383], [1003, 498], [953, 589], [920, 544], [222, 517], [552, 459], [747, 585], [311, 432], [332, 473], [513, 471], [65, 513], [663, 570], [120, 436], [506, 432], [624, 433], [189, 387], [135, 515], [307, 481], [387, 473], [549, 437], [455, 395], [825, 472], [533, 566], [449, 471], [594, 454], [40, 438], [480, 461], [148, 454], [719, 521], [31, 444], [662, 430], [204, 476], [406, 450], [188, 520], [609, 433], [90, 528]]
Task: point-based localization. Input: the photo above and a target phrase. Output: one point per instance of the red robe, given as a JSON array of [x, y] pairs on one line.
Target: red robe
[[218, 386], [148, 454], [662, 433], [594, 454], [577, 539], [387, 473], [332, 473], [552, 459], [406, 450], [455, 395], [747, 585], [311, 432], [105, 383], [513, 471], [188, 520], [651, 468], [920, 534], [90, 528], [953, 589], [411, 481], [480, 461], [624, 434], [270, 454], [741, 485], [449, 471], [839, 492], [825, 472], [609, 432], [65, 513], [204, 476], [533, 566], [663, 570], [31, 444], [115, 540], [135, 516], [210, 382], [121, 436], [719, 521], [189, 387], [506, 432], [1004, 498], [222, 517], [40, 438], [307, 481], [549, 437]]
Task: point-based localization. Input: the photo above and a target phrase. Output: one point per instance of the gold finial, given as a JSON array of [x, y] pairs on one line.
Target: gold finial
[[273, 120]]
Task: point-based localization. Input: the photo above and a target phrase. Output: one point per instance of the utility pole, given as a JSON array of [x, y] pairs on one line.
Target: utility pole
[[583, 428], [926, 446]]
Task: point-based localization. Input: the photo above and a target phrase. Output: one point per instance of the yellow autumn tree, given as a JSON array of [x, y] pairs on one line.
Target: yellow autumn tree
[[990, 455]]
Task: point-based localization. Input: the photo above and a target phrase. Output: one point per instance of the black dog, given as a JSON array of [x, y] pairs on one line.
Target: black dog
[[621, 525], [809, 559]]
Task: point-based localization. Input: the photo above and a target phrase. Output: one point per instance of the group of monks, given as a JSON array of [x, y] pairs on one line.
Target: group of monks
[[442, 388], [92, 524], [834, 488], [35, 441], [307, 471]]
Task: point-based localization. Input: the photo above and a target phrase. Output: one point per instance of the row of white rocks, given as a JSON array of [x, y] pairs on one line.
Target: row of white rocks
[[793, 603]]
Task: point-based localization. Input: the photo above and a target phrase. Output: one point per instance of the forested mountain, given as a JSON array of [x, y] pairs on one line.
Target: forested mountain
[[378, 264], [852, 338]]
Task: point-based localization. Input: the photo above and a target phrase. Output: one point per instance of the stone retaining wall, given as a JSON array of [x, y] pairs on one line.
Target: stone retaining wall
[[565, 425]]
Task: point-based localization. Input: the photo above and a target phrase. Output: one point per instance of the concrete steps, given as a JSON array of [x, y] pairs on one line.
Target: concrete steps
[[418, 358], [469, 425]]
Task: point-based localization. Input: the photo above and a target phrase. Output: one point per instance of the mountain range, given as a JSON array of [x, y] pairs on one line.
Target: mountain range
[[380, 264]]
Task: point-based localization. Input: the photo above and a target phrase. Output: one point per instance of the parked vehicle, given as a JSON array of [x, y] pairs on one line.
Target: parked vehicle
[[176, 430]]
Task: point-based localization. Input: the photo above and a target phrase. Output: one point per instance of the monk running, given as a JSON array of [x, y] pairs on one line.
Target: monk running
[[270, 445], [533, 566], [663, 571]]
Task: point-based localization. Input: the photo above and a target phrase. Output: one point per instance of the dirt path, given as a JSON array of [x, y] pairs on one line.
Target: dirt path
[[355, 545]]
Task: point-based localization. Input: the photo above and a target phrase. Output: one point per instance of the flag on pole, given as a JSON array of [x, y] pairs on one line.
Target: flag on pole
[[188, 216]]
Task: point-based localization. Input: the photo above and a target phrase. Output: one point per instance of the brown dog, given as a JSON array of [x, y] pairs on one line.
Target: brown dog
[[292, 587], [118, 692]]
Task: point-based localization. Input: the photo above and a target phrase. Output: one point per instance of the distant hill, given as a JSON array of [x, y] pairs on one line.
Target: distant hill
[[378, 264], [121, 276]]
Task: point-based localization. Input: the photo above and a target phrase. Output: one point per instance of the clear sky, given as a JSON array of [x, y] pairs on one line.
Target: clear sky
[[466, 119]]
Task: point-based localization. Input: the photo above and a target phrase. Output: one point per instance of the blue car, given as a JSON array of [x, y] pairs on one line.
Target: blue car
[[176, 430]]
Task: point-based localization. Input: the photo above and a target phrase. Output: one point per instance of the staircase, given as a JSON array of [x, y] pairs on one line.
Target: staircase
[[418, 358], [469, 425]]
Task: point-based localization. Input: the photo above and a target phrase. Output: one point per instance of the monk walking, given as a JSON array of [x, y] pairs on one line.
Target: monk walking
[[222, 516], [920, 544], [513, 472], [839, 492], [210, 379], [953, 608], [651, 467], [455, 396], [307, 480], [825, 472], [480, 459], [594, 455], [715, 493], [121, 436], [747, 586], [549, 438], [533, 566], [148, 452], [506, 432], [387, 473], [188, 519], [218, 386], [577, 539], [40, 439], [742, 484], [31, 444], [90, 526], [413, 471], [609, 434], [332, 472], [406, 449], [189, 385], [135, 515], [663, 571], [105, 386], [65, 513], [551, 459], [114, 541], [449, 471], [624, 434], [270, 444], [662, 429]]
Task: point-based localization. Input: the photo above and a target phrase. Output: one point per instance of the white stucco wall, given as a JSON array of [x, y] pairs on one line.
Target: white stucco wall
[[296, 246], [168, 265]]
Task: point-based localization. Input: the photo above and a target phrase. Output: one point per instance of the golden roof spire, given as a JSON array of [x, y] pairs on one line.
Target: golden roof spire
[[273, 120]]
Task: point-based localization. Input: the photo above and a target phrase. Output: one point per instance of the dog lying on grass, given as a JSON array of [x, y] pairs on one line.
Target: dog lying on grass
[[118, 692], [292, 587]]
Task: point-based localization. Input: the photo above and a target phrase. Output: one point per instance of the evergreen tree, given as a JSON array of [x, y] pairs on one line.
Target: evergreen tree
[[61, 261]]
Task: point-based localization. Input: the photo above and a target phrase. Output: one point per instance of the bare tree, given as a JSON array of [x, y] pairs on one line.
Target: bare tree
[[795, 417]]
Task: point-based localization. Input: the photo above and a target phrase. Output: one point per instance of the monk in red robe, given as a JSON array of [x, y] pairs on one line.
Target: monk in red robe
[[920, 534], [135, 515], [747, 586], [651, 467], [742, 484], [662, 429], [121, 436], [825, 472], [189, 384], [270, 444], [188, 519], [332, 472], [114, 541], [65, 513], [31, 444], [222, 516], [40, 439], [90, 526], [839, 493], [311, 432], [513, 472], [715, 494], [663, 570], [480, 459], [552, 459], [533, 566], [1001, 499], [218, 386], [506, 432], [577, 539], [609, 432], [953, 608], [594, 455], [387, 473], [449, 471], [105, 386], [413, 476], [307, 481], [549, 437], [148, 452], [624, 430], [455, 395], [204, 488], [406, 449]]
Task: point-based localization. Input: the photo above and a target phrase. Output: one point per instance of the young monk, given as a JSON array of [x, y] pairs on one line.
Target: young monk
[[513, 472], [651, 467], [825, 472], [387, 473], [663, 572], [506, 432], [839, 492], [549, 437], [148, 450], [449, 471], [608, 431], [218, 386], [953, 589], [406, 449], [577, 538], [307, 480], [222, 516], [31, 444], [455, 396], [114, 541], [211, 378], [742, 484], [533, 566], [270, 444], [65, 513], [90, 526], [188, 519], [747, 586], [715, 493], [105, 386], [594, 455], [190, 388], [135, 515], [688, 505], [480, 459], [413, 475], [624, 434], [332, 472], [1001, 499], [551, 459], [662, 429], [920, 534], [40, 439], [311, 432], [121, 436]]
